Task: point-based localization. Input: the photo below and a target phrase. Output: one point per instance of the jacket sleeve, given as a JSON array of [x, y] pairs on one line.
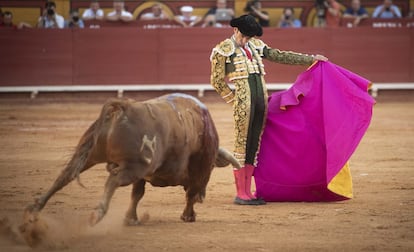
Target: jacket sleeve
[[287, 57], [217, 77]]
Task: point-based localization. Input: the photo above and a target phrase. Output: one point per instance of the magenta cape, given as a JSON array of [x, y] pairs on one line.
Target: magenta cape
[[311, 131]]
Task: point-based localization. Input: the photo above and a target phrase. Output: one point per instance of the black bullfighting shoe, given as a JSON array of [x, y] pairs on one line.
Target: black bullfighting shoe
[[251, 202], [260, 201]]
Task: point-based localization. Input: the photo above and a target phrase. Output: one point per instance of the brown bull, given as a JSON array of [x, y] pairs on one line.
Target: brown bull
[[166, 141]]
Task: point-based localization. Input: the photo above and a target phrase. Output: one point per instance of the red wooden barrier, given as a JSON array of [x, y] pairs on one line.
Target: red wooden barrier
[[131, 55]]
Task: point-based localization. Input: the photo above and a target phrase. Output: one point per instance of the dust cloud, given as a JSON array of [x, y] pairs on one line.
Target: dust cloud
[[42, 231]]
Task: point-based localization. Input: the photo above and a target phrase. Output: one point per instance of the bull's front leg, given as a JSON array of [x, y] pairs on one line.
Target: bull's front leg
[[112, 183], [193, 196], [138, 190]]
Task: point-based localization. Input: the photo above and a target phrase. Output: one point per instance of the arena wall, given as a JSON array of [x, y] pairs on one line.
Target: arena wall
[[131, 55], [30, 10]]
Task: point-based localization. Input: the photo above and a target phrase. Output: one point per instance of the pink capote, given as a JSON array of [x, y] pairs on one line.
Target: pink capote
[[311, 131]]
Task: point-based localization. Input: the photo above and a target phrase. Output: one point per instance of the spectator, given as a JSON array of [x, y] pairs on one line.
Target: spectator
[[328, 13], [386, 10], [213, 17], [75, 21], [119, 13], [333, 14], [320, 13], [157, 13], [93, 12], [50, 19], [1, 16], [356, 11], [411, 14], [187, 19], [254, 8], [288, 19], [7, 21]]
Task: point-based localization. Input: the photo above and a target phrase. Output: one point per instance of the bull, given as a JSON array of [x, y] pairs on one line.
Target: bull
[[167, 141]]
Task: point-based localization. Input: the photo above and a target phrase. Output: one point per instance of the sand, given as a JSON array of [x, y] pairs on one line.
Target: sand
[[38, 136]]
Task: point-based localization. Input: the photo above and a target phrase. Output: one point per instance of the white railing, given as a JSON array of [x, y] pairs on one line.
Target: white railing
[[390, 86], [200, 88], [120, 89]]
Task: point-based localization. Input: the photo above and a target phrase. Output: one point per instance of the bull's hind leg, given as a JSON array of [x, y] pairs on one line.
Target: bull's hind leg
[[66, 176], [111, 185], [138, 190]]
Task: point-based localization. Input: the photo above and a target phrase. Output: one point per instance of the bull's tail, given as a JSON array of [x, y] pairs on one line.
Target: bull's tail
[[87, 154], [81, 159], [224, 158]]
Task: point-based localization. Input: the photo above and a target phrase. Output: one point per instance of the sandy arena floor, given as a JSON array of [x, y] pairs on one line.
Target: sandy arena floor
[[38, 136]]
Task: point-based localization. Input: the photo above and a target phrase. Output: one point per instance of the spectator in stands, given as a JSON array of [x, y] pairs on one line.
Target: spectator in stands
[[411, 14], [1, 16], [74, 20], [7, 21], [93, 12], [387, 10], [333, 14], [157, 13], [288, 19], [187, 19], [214, 17], [254, 8], [356, 11], [119, 13], [320, 8], [50, 19], [328, 13]]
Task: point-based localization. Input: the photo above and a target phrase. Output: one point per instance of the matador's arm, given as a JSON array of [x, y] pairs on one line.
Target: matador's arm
[[279, 56], [288, 57], [217, 78]]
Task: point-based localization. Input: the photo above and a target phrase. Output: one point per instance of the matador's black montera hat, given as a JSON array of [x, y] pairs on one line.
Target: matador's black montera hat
[[247, 25]]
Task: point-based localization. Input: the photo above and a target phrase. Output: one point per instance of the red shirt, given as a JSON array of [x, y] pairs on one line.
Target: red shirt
[[331, 20]]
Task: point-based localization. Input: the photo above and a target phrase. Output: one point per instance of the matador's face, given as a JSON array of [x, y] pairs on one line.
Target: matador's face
[[240, 38]]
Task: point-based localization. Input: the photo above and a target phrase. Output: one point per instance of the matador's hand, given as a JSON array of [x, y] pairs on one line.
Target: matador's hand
[[320, 57]]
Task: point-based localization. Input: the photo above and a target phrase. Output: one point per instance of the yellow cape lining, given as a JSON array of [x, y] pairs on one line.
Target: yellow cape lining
[[342, 183]]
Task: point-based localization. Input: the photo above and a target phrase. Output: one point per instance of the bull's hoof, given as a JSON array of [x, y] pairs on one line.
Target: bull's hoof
[[33, 208], [33, 229], [189, 218], [30, 208], [134, 221], [96, 216], [36, 206], [131, 222], [93, 219]]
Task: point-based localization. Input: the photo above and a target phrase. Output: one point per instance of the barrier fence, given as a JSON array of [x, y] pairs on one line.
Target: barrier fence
[[173, 59]]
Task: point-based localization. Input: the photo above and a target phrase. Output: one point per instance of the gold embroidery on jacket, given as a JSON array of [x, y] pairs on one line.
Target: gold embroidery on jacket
[[228, 54], [228, 60]]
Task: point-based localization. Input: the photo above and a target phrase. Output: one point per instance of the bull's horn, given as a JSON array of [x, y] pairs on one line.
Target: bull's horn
[[224, 158]]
